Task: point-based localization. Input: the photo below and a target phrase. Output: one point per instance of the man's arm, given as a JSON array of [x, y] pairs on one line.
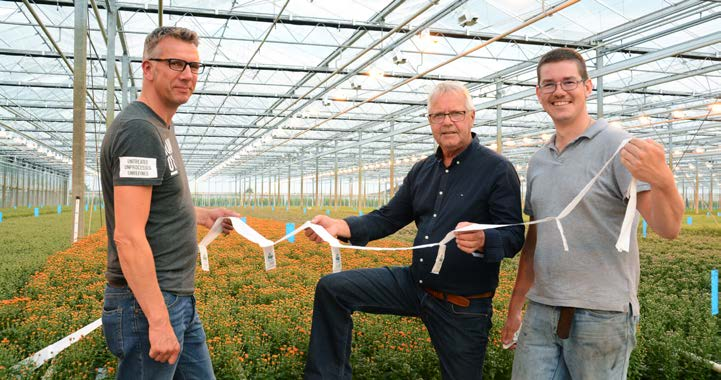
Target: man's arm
[[504, 206], [662, 206], [132, 207], [375, 225], [524, 280]]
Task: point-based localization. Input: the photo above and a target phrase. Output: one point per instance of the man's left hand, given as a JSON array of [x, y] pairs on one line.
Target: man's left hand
[[470, 241], [208, 216], [646, 161]]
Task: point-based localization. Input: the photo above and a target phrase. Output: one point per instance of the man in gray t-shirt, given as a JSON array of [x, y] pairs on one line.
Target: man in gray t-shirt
[[140, 150], [581, 319], [150, 321]]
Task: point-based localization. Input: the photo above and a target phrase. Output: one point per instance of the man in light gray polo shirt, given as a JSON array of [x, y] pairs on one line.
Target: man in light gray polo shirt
[[583, 306]]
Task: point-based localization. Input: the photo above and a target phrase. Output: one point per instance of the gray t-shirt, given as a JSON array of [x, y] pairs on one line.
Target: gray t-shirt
[[592, 274], [140, 150]]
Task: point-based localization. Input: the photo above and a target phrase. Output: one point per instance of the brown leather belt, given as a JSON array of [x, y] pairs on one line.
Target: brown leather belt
[[563, 329], [455, 299], [118, 283]]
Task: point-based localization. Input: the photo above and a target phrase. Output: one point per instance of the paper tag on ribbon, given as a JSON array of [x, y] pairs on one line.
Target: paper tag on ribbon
[[204, 264], [335, 253], [269, 255]]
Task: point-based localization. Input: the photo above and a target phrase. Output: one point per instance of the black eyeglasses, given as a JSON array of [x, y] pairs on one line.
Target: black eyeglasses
[[179, 64], [437, 118], [566, 85]]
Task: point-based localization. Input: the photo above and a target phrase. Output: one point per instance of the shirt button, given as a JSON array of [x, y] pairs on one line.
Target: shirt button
[[440, 192], [446, 170], [421, 260], [434, 215], [458, 162], [420, 281], [426, 237]]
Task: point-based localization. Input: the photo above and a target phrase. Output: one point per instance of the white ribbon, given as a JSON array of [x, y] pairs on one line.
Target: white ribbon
[[622, 244], [49, 352]]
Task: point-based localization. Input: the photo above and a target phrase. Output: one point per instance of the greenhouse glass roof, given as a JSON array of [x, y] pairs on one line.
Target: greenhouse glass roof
[[326, 83]]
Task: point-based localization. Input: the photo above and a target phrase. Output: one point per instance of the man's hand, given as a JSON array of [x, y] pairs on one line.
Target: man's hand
[[513, 323], [646, 161], [335, 227], [470, 241], [164, 346], [207, 217]]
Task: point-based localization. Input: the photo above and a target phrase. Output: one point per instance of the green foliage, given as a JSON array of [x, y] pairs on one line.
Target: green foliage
[[26, 242], [258, 322]]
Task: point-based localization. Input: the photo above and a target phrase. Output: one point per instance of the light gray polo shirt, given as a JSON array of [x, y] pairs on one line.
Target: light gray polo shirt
[[592, 274]]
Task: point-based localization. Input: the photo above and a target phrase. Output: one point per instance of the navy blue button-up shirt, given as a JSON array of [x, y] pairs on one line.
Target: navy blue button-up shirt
[[479, 186]]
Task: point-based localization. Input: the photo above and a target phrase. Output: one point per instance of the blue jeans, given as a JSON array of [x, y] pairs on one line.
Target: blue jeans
[[126, 334], [598, 347], [459, 334]]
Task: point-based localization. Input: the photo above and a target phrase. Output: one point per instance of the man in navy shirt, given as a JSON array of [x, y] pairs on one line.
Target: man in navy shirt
[[462, 183]]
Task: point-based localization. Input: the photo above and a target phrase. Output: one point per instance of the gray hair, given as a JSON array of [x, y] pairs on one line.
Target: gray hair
[[154, 38], [450, 86]]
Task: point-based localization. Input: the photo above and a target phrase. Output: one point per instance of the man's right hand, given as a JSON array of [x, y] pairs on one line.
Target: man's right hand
[[164, 346], [513, 323], [335, 227]]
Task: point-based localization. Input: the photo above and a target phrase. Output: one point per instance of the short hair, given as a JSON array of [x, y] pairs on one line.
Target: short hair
[[157, 35], [562, 54], [450, 86]]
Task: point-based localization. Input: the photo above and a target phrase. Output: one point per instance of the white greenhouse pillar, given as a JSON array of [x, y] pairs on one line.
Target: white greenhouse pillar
[[79, 104]]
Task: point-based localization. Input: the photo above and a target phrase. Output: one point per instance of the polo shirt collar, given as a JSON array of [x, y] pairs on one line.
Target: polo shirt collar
[[595, 128]]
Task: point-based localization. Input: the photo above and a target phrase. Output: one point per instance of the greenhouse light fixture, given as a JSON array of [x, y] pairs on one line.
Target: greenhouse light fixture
[[466, 19], [398, 57]]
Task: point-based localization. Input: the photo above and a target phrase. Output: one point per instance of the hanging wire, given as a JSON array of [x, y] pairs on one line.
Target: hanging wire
[[693, 137]]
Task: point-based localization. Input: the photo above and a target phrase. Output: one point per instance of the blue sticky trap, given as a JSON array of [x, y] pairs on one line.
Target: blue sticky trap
[[645, 227], [718, 214], [360, 212], [244, 220], [272, 208], [305, 210], [95, 208], [327, 212], [689, 220], [87, 207], [60, 209], [36, 212], [1, 217], [289, 227], [714, 292]]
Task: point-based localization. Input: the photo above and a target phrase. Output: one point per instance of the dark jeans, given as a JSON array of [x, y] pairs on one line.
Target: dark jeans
[[126, 334], [459, 334]]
